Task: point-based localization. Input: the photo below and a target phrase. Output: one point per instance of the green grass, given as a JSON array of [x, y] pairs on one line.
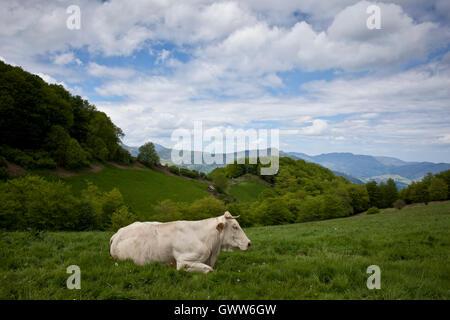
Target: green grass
[[141, 189], [317, 260], [247, 190]]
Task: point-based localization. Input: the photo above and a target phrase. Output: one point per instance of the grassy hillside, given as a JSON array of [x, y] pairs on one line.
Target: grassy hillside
[[141, 188], [316, 260], [247, 188]]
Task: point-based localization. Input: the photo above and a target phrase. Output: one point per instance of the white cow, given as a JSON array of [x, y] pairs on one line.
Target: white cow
[[189, 245]]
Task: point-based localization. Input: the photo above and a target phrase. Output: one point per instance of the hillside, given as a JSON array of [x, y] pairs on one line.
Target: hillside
[[371, 168], [316, 260], [43, 126], [141, 188], [247, 188]]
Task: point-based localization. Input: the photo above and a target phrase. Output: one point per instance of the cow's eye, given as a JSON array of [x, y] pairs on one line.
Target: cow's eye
[[234, 227]]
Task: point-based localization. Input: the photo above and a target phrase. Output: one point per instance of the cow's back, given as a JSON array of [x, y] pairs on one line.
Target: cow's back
[[139, 241]]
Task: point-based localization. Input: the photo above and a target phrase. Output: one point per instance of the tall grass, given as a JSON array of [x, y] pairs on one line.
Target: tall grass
[[316, 260]]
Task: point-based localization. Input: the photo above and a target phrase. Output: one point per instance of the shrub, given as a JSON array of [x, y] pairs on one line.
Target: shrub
[[203, 209], [373, 210], [33, 202], [3, 162], [87, 219], [75, 156], [46, 163], [167, 210], [273, 211], [23, 160], [4, 174], [110, 202], [399, 204], [220, 181], [121, 218], [174, 170], [189, 173]]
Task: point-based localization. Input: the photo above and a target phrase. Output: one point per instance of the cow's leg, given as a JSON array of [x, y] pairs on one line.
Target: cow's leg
[[193, 266]]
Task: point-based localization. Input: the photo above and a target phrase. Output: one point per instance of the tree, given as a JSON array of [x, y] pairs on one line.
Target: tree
[[147, 155], [274, 211], [75, 155], [220, 181], [359, 197], [374, 194], [438, 189], [167, 210], [121, 218], [445, 175], [389, 193]]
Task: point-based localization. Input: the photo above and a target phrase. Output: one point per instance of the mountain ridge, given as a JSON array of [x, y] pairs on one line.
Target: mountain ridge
[[357, 168]]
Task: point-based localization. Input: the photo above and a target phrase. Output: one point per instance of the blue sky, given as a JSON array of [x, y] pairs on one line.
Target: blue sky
[[310, 68]]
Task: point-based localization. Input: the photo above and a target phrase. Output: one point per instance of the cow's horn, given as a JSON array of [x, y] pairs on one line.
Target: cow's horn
[[233, 217]]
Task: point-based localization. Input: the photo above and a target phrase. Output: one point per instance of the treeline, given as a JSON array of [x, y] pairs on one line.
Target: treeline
[[32, 202], [304, 191], [431, 188], [301, 191], [42, 125], [194, 174]]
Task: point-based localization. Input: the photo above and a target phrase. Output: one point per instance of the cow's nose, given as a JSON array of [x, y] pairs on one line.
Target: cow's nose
[[249, 244]]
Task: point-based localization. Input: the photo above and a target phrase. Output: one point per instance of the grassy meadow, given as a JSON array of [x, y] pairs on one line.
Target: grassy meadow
[[141, 188], [246, 190], [315, 260]]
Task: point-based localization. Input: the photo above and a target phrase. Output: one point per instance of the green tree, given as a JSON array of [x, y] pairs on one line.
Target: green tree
[[220, 181], [359, 197], [438, 189], [121, 217], [374, 194], [273, 211], [167, 210], [75, 155], [147, 155], [203, 209], [389, 193]]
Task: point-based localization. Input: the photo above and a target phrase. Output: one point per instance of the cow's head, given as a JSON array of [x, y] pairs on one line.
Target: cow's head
[[233, 236]]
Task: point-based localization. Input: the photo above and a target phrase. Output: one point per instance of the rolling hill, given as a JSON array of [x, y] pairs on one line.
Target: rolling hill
[[141, 188], [356, 168]]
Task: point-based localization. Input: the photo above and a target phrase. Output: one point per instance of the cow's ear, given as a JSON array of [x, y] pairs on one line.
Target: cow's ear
[[220, 227]]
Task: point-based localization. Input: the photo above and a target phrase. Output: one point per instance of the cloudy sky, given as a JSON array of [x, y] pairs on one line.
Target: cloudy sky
[[311, 68]]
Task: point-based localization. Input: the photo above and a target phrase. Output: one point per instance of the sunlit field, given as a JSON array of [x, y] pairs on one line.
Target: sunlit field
[[317, 260]]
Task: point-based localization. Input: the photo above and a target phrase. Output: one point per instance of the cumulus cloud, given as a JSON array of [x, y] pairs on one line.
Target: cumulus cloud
[[66, 58], [225, 62], [98, 70], [318, 126]]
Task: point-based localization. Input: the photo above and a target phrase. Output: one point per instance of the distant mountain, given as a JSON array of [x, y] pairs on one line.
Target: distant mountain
[[356, 168], [371, 168]]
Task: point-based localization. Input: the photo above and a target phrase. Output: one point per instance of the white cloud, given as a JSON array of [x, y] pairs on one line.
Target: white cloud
[[97, 70], [236, 53], [64, 58], [317, 127]]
